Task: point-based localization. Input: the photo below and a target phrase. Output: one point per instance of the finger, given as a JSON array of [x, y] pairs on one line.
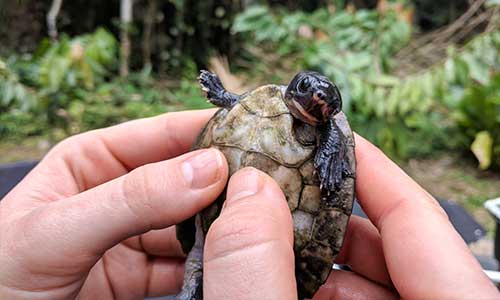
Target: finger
[[165, 277], [417, 236], [151, 276], [249, 248], [362, 251], [86, 160], [161, 242], [347, 285], [154, 196], [143, 141]]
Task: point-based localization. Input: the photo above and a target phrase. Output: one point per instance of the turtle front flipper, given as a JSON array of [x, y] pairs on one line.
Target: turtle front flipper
[[216, 93], [330, 160]]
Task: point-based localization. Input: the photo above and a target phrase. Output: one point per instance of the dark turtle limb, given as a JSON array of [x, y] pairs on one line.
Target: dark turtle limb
[[192, 289], [315, 261], [216, 93], [330, 161]]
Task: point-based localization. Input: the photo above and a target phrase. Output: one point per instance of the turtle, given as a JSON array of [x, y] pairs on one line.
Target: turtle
[[298, 135]]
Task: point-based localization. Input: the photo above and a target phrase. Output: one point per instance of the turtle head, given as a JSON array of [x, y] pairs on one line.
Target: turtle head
[[312, 98]]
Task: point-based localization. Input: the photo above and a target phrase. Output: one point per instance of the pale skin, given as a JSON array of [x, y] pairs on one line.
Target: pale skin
[[94, 221]]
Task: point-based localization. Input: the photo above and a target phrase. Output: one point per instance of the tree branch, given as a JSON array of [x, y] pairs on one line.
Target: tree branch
[[126, 21], [54, 10]]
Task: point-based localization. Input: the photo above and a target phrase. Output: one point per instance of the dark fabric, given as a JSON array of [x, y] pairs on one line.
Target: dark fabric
[[463, 222], [11, 174]]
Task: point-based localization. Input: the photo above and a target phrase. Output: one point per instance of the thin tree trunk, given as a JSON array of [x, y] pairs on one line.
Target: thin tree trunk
[[149, 21], [126, 21], [54, 10]]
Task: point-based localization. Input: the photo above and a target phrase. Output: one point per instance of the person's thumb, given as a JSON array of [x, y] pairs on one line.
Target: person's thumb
[[154, 196], [249, 248]]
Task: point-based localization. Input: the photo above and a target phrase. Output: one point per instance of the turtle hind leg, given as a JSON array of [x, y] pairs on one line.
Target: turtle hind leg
[[313, 265], [192, 288], [216, 93]]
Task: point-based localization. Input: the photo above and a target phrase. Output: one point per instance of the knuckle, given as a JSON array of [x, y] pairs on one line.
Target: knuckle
[[147, 192], [234, 227], [74, 144], [241, 228], [136, 189], [170, 122], [419, 204]]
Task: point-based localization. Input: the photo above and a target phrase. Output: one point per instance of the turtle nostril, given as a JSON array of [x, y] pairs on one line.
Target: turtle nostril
[[321, 95]]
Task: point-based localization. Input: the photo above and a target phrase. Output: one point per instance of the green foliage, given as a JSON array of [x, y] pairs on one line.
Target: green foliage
[[479, 119], [65, 85], [16, 125], [188, 92], [67, 68], [12, 92], [79, 62], [426, 104], [358, 40], [356, 51]]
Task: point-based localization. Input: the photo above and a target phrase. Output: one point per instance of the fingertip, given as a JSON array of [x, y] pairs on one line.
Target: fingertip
[[202, 168], [250, 181], [253, 235], [244, 183]]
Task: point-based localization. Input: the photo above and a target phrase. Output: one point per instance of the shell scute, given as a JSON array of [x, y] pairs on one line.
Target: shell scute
[[273, 136]]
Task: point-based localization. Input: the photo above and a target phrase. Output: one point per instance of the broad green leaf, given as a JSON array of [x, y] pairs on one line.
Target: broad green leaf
[[8, 92], [482, 148], [478, 71]]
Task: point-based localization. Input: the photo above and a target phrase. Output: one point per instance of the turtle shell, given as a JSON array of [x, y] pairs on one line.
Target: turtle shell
[[260, 132]]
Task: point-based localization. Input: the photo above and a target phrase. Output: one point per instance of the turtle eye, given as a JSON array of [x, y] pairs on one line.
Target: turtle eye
[[304, 86]]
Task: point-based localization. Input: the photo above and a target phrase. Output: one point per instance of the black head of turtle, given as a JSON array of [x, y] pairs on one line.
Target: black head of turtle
[[312, 98]]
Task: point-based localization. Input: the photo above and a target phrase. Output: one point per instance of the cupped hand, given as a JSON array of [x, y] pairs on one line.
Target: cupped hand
[[407, 249], [93, 219]]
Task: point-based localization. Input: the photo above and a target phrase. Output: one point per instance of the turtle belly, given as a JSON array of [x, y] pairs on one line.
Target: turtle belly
[[268, 143]]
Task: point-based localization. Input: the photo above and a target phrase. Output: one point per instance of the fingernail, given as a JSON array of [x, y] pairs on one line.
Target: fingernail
[[203, 169], [249, 183]]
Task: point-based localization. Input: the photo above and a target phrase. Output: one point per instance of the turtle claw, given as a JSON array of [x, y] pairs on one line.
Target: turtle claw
[[210, 83], [215, 91]]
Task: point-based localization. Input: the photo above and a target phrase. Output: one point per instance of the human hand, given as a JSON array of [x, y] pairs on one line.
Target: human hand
[[80, 225], [412, 251], [409, 248], [51, 236]]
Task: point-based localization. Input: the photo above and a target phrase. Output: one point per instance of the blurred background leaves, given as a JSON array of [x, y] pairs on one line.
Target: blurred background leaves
[[417, 77]]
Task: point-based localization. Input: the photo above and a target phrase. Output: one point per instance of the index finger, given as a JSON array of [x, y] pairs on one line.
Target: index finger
[[89, 159], [425, 256], [148, 140]]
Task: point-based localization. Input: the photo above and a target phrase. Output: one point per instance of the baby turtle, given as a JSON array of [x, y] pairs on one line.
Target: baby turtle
[[299, 136]]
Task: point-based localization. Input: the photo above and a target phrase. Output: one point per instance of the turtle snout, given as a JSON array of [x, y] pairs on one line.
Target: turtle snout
[[320, 95]]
